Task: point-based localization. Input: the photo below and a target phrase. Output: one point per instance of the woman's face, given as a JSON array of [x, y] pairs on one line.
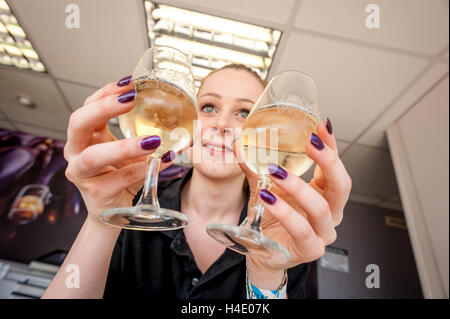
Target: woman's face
[[224, 101]]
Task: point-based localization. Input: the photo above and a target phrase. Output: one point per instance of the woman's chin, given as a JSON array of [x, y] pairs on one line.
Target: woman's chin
[[216, 165], [219, 170]]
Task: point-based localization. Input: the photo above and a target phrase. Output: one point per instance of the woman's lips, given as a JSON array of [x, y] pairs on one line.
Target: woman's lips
[[216, 148]]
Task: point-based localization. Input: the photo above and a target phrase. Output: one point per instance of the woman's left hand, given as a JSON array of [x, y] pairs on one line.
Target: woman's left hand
[[301, 216]]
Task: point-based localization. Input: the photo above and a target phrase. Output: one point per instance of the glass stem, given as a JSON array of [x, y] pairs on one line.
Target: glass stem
[[150, 192], [263, 182]]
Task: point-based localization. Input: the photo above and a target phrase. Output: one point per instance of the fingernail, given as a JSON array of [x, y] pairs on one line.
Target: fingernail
[[316, 141], [127, 96], [329, 127], [267, 196], [125, 81], [150, 142], [277, 171], [168, 156]]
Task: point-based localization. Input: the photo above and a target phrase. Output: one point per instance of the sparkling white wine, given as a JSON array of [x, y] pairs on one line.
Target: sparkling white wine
[[277, 134], [161, 109]]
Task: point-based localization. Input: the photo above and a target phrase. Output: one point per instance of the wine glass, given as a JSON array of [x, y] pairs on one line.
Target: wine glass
[[275, 131], [165, 106]]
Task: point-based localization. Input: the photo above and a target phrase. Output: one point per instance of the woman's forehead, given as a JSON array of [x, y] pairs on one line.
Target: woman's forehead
[[228, 82]]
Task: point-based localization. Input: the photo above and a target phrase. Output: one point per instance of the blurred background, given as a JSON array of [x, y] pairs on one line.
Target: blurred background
[[382, 71]]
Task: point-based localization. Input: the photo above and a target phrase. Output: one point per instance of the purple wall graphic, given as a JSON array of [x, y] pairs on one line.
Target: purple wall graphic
[[40, 210]]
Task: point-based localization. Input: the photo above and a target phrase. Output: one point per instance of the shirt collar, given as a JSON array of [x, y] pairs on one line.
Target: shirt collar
[[171, 199]]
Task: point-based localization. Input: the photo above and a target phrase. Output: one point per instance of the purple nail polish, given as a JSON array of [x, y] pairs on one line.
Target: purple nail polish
[[267, 196], [127, 96], [125, 81], [150, 142], [168, 156], [316, 141], [277, 171], [329, 127]]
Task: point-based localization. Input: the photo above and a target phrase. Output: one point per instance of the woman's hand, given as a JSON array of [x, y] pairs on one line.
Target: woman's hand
[[108, 172], [300, 216]]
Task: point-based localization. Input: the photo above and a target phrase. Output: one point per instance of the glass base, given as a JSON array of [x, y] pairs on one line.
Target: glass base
[[249, 242], [144, 217]]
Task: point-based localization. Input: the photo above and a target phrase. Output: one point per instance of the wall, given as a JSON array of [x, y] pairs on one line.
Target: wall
[[368, 240], [419, 144]]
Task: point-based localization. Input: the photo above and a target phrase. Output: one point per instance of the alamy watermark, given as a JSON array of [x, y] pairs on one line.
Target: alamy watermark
[[373, 19], [373, 279], [73, 17], [259, 145], [73, 279]]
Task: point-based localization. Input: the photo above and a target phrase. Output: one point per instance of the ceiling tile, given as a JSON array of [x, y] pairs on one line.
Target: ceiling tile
[[376, 135], [415, 25], [371, 171], [355, 83], [51, 110], [75, 94], [40, 131], [6, 124], [267, 10], [107, 46]]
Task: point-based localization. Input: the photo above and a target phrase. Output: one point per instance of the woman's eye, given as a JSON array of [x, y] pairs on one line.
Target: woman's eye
[[208, 108], [243, 113]]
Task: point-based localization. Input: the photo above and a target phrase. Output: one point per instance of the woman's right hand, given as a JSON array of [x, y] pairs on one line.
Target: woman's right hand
[[108, 172]]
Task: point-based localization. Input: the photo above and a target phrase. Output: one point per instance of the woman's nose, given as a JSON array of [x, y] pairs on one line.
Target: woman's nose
[[223, 123]]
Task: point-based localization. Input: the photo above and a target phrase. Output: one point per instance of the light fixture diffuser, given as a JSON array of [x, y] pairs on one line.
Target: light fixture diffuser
[[211, 41], [15, 48]]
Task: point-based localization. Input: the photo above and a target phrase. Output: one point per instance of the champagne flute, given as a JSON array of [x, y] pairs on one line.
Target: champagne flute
[[165, 106], [275, 131]]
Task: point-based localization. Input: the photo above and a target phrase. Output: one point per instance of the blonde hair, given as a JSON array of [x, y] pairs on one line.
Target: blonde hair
[[238, 67]]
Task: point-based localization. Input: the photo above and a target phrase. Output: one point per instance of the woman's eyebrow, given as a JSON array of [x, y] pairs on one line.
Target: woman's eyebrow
[[244, 100], [211, 94], [218, 96]]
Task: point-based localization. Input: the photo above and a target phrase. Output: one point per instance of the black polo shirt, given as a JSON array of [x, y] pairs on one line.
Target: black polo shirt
[[161, 265]]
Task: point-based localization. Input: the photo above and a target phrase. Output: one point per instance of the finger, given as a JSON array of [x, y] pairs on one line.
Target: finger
[[168, 157], [309, 200], [318, 178], [251, 176], [96, 157], [325, 132], [95, 116], [112, 88], [120, 179], [337, 181], [295, 224]]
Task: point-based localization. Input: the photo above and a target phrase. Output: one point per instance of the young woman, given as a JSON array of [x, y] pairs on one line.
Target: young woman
[[188, 263]]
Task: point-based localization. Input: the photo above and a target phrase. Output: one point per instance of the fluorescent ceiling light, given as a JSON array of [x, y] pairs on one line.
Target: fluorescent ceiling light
[[208, 22], [16, 30], [211, 41], [211, 51], [15, 48]]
